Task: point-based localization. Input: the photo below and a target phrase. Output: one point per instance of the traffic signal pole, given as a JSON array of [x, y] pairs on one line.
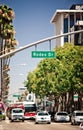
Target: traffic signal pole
[[38, 42]]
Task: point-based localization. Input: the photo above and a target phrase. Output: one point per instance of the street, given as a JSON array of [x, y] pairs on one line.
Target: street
[[30, 125]]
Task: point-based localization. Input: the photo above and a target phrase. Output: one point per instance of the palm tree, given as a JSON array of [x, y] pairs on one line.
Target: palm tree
[[7, 43]]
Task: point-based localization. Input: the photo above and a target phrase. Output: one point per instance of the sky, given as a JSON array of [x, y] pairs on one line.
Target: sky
[[31, 23]]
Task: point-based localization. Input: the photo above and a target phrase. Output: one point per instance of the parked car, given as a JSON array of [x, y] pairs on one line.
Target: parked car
[[81, 126], [61, 117], [76, 117], [43, 117], [17, 114]]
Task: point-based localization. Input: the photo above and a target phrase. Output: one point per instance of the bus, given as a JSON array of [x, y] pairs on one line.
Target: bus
[[30, 109]]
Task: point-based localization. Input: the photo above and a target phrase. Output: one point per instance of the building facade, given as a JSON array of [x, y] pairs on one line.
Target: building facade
[[66, 21]]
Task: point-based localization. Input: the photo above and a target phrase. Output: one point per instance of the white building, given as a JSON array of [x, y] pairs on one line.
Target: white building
[[65, 20]]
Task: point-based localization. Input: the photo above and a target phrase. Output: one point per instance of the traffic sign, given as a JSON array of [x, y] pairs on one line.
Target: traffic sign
[[8, 100], [23, 88], [43, 54], [16, 95], [75, 97]]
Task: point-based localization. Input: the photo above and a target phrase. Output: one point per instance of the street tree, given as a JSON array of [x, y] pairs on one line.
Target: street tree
[[60, 77]]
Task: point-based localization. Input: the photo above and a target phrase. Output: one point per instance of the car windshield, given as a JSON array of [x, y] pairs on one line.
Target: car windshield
[[30, 107], [79, 114], [62, 114], [42, 114], [17, 111]]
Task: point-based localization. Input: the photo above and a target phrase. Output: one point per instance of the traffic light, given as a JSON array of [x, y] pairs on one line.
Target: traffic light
[[78, 37]]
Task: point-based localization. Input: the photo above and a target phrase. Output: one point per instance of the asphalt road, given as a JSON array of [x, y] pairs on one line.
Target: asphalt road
[[30, 125]]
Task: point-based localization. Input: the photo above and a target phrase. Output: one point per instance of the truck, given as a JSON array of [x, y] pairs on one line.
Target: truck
[[12, 106], [17, 114]]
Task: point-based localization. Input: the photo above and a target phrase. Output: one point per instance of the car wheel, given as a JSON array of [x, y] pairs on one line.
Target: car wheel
[[71, 123], [75, 123], [36, 122], [4, 117], [11, 120], [48, 122], [55, 120]]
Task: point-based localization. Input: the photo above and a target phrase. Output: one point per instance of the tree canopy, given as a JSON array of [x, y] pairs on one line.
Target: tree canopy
[[58, 75]]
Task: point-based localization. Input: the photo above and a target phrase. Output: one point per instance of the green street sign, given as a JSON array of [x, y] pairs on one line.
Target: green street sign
[[75, 97], [43, 54], [15, 95], [8, 101]]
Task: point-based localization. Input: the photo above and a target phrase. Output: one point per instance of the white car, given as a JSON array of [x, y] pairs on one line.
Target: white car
[[61, 117], [76, 117], [81, 126], [43, 116], [17, 114]]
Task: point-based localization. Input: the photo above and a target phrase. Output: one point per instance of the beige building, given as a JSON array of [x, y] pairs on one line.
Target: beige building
[[65, 20]]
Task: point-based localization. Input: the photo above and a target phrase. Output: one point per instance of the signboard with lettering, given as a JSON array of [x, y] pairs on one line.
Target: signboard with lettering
[[43, 54]]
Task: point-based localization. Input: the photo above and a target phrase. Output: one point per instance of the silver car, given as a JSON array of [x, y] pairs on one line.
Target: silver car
[[77, 117], [61, 117]]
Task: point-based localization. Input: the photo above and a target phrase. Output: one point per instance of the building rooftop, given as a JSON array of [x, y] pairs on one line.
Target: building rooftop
[[65, 12], [77, 6]]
